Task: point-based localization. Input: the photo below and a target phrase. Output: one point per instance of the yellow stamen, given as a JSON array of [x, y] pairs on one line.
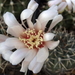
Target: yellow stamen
[[32, 38]]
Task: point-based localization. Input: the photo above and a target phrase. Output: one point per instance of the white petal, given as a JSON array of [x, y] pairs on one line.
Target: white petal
[[42, 54], [47, 15], [56, 20], [74, 8], [0, 48], [15, 43], [32, 5], [4, 48], [73, 1], [38, 25], [24, 66], [15, 30], [32, 64], [48, 36], [69, 4], [26, 14], [38, 67], [2, 38], [10, 19], [54, 7], [62, 6], [6, 55], [30, 55], [18, 56], [54, 2], [5, 51], [30, 24], [52, 44], [35, 66]]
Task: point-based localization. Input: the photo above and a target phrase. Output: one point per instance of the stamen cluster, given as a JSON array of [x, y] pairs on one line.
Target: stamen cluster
[[32, 39]]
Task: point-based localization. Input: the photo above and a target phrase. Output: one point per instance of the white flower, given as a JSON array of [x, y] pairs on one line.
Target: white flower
[[63, 4], [31, 43]]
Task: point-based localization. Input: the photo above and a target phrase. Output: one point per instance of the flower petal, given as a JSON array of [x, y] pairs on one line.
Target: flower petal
[[74, 8], [5, 51], [35, 66], [69, 4], [2, 38], [30, 24], [54, 2], [25, 14], [38, 25], [73, 1], [62, 6], [56, 20], [24, 66], [6, 55], [15, 30], [18, 56], [15, 43], [10, 19], [30, 55], [38, 67], [4, 48], [31, 66], [52, 44], [47, 15], [32, 5], [42, 54], [48, 36]]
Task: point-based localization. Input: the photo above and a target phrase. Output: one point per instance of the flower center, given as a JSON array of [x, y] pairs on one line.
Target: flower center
[[32, 39]]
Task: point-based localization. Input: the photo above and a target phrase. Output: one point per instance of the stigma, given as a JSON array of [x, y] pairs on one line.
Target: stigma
[[32, 39]]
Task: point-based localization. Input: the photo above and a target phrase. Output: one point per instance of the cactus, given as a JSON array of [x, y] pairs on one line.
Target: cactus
[[14, 6], [63, 57], [3, 27], [68, 21], [60, 59]]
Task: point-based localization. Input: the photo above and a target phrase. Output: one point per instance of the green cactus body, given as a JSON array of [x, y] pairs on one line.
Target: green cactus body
[[13, 6], [63, 57]]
